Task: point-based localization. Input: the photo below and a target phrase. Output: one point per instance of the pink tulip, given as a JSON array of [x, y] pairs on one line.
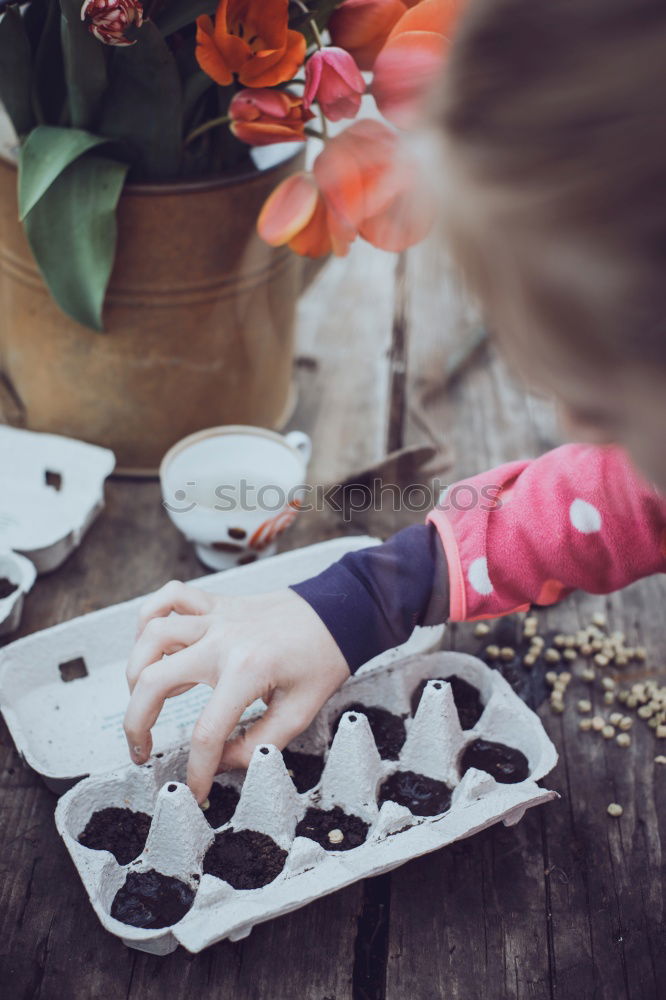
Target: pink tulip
[[108, 20], [333, 78]]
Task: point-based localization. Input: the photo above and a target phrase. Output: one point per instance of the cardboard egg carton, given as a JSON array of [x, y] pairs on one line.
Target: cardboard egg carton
[[52, 490], [180, 835], [22, 573]]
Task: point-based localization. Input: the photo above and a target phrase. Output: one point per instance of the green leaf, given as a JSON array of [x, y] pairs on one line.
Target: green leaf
[[16, 71], [179, 13], [44, 155], [143, 106], [85, 67], [72, 233], [48, 80]]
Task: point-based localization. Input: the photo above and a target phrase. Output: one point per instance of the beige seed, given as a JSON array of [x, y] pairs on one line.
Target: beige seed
[[551, 677], [584, 705], [532, 620], [598, 723], [335, 836], [608, 684], [586, 649], [653, 722], [640, 653], [493, 652], [626, 722], [529, 660], [585, 725], [588, 675], [570, 654], [615, 718], [608, 732], [557, 706], [538, 641], [552, 656], [632, 701], [565, 677], [661, 732], [622, 696], [615, 809], [205, 805], [507, 653], [599, 620], [290, 773], [559, 641], [623, 740], [621, 661], [660, 759], [481, 629], [644, 712], [609, 697], [601, 660]]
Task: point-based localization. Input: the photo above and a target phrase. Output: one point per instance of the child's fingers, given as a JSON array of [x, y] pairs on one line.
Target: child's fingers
[[163, 636], [154, 685], [286, 717], [174, 596], [222, 713]]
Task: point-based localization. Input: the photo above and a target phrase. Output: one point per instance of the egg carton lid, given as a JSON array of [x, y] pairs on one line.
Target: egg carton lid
[[52, 488], [63, 692], [353, 771]]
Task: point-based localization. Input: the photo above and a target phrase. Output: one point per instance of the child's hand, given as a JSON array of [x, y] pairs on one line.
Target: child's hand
[[270, 646]]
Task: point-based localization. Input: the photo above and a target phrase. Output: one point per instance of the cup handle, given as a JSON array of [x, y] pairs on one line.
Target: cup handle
[[302, 443]]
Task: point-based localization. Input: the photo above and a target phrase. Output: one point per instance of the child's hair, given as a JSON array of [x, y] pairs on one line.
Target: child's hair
[[554, 112]]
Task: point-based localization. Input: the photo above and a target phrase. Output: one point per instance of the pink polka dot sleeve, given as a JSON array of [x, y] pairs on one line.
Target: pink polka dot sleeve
[[577, 518]]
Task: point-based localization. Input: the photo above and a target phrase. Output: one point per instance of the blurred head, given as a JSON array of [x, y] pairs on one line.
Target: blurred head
[[554, 123]]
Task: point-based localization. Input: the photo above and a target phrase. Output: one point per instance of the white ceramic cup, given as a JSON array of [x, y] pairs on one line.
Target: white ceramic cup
[[232, 490]]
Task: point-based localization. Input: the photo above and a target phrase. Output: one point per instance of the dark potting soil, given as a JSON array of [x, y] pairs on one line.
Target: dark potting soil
[[223, 801], [423, 796], [120, 831], [466, 697], [305, 769], [152, 900], [318, 823], [245, 859], [6, 587], [388, 729], [506, 764]]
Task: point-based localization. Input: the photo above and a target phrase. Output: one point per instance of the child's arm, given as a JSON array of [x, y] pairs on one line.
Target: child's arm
[[525, 533]]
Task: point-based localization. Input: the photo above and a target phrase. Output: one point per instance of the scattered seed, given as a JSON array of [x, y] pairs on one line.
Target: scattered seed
[[529, 660], [599, 619], [623, 740], [609, 697], [585, 724], [538, 641], [335, 836], [552, 656], [661, 732], [626, 722], [608, 684], [598, 723], [615, 809], [588, 675], [507, 653], [622, 696], [557, 706], [551, 677], [615, 718], [608, 732], [481, 629], [565, 677], [644, 712], [660, 759], [570, 654], [586, 649], [584, 705], [493, 652], [621, 661], [601, 660], [640, 653]]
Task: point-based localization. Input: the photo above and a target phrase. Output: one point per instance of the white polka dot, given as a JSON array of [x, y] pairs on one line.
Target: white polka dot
[[477, 574], [584, 516]]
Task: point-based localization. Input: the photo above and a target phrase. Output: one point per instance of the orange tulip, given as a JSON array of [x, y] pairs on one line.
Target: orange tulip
[[412, 59], [261, 116], [250, 41], [362, 27], [363, 184]]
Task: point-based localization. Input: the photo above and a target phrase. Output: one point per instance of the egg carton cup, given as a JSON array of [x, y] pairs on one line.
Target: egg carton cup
[[63, 692], [52, 490], [21, 572], [269, 803]]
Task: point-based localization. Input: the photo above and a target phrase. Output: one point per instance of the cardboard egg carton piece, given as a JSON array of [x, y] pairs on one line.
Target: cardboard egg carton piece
[[52, 490], [63, 692], [22, 573], [269, 803]]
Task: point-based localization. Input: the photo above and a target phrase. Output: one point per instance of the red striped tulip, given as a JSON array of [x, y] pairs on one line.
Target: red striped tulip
[[108, 20]]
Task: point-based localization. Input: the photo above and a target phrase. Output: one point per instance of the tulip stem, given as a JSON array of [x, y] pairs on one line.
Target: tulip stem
[[316, 34], [201, 129], [315, 133]]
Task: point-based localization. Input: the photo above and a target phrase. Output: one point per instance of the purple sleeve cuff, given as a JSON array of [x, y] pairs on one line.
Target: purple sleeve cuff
[[372, 599]]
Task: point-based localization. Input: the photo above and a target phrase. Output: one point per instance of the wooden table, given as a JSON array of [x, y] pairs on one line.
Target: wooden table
[[568, 905]]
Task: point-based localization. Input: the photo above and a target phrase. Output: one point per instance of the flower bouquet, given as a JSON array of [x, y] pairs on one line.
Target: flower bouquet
[[124, 90]]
